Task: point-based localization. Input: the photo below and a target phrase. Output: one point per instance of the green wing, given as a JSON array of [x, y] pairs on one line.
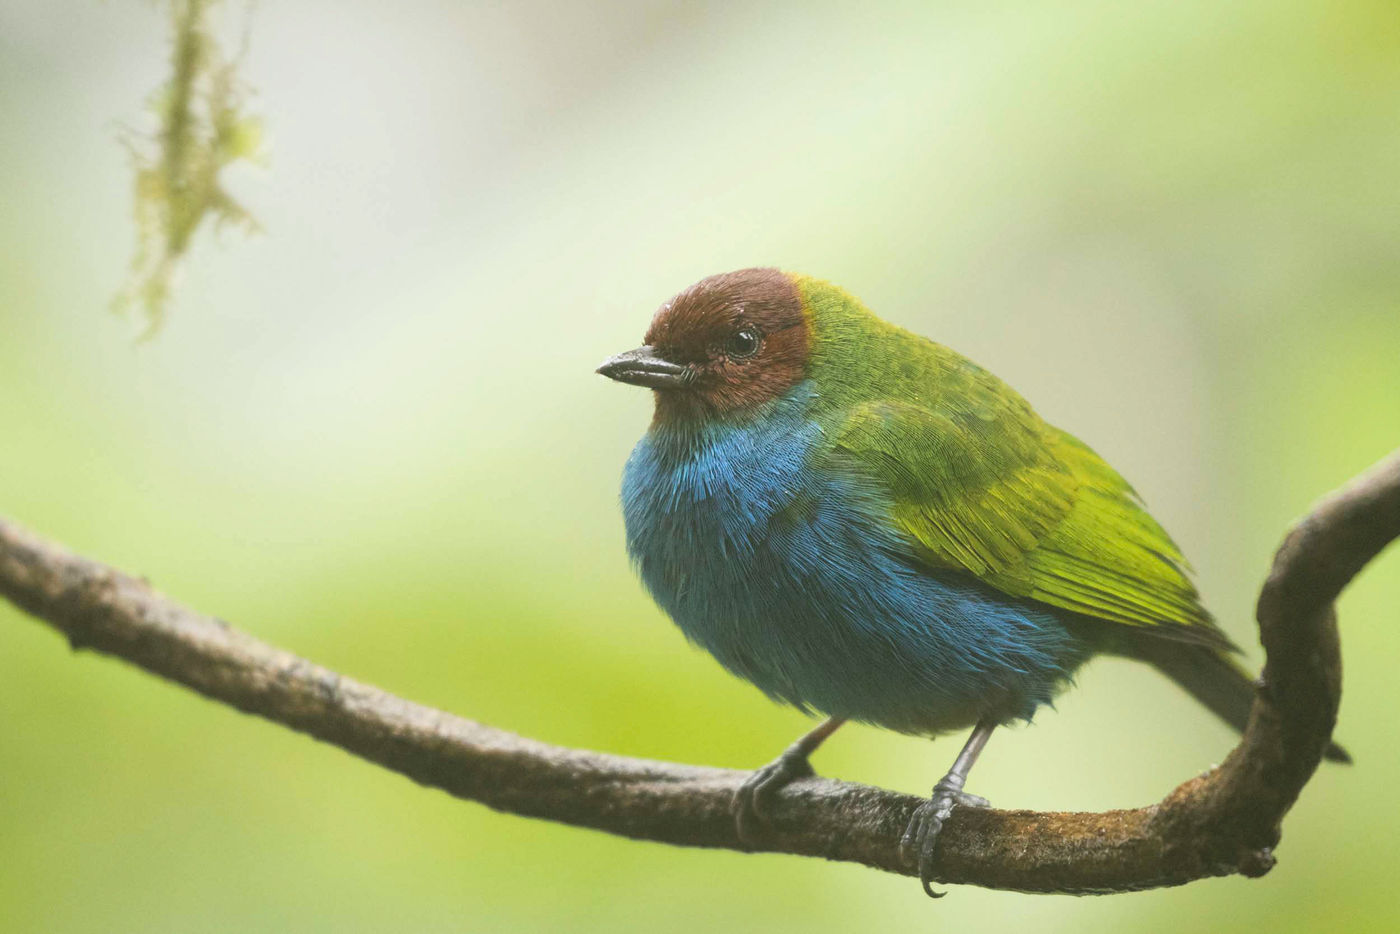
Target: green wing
[[982, 485]]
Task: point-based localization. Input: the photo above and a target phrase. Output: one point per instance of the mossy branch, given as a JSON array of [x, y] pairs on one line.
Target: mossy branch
[[1224, 822], [203, 129]]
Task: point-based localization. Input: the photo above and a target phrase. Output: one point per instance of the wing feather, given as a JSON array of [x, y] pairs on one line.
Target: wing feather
[[993, 491]]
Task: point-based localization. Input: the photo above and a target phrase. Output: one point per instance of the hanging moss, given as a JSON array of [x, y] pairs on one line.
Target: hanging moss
[[203, 129]]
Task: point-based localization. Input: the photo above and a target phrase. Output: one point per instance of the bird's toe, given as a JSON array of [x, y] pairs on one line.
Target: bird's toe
[[920, 838], [754, 798]]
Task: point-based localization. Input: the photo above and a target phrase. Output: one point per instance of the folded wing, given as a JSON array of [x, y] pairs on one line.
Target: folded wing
[[981, 485]]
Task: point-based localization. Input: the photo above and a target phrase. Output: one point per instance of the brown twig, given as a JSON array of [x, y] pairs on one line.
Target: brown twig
[[1223, 822]]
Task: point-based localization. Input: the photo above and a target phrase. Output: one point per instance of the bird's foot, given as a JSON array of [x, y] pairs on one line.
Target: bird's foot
[[750, 807], [921, 836]]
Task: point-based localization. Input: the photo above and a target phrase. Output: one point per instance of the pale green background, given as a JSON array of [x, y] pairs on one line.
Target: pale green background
[[373, 435]]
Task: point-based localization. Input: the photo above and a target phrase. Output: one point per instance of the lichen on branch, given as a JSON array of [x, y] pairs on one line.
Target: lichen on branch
[[203, 127]]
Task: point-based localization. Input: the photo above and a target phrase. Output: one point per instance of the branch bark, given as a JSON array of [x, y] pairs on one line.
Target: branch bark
[[1224, 822]]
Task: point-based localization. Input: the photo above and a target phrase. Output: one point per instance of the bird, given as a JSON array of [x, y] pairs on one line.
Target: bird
[[867, 525]]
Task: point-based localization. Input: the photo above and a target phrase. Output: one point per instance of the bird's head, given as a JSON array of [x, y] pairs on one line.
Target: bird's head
[[726, 345]]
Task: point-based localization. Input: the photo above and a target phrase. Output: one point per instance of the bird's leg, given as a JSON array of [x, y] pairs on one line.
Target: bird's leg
[[751, 800], [922, 833]]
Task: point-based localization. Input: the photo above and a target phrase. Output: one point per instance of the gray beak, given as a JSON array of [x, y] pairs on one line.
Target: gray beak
[[642, 367]]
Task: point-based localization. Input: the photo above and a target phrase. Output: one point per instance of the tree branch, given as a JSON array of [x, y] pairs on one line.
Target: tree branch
[[1220, 823]]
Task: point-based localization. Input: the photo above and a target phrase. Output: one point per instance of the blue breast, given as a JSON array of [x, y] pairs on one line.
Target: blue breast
[[787, 568]]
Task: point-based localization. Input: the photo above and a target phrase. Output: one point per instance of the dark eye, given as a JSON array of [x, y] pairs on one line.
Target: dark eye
[[742, 343]]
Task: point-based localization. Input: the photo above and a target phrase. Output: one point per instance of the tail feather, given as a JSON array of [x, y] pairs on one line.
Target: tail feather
[[1216, 680]]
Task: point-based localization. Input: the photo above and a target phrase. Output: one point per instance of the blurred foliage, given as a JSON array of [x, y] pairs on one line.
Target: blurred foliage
[[1172, 224], [204, 128]]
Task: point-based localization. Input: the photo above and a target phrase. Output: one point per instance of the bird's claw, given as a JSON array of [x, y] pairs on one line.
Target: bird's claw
[[750, 806], [921, 836]]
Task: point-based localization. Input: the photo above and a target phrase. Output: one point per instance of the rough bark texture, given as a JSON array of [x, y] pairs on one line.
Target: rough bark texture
[[1223, 822]]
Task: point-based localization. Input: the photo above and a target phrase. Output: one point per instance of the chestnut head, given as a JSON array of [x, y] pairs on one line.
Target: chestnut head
[[727, 344]]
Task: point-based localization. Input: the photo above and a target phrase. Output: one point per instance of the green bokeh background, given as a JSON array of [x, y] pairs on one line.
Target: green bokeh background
[[373, 435]]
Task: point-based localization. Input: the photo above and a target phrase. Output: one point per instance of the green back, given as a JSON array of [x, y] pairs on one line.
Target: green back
[[981, 484]]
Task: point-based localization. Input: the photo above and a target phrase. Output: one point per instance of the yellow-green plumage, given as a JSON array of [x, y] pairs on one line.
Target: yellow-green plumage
[[985, 486]]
